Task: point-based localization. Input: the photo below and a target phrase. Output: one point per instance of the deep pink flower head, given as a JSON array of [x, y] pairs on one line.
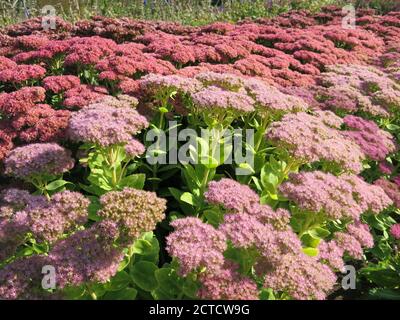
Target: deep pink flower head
[[38, 159], [21, 100], [6, 143], [41, 123], [196, 245], [22, 73], [105, 125], [395, 231], [83, 95], [385, 167], [62, 83], [396, 180], [6, 63]]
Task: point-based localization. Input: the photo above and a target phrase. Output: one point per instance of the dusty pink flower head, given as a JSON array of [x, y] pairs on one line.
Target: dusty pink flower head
[[269, 100], [373, 90], [349, 244], [395, 231], [225, 81], [105, 125], [87, 256], [331, 254], [371, 198], [346, 196], [62, 83], [374, 142], [311, 138], [38, 159], [231, 194], [301, 277], [134, 211], [227, 284], [216, 99], [196, 245], [134, 148], [391, 189], [361, 232], [154, 83], [245, 231]]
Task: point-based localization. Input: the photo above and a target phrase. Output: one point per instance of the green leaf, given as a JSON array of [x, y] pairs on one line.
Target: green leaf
[[93, 208], [143, 274], [169, 283], [214, 217], [120, 281], [209, 162], [190, 288], [124, 294], [176, 193], [312, 252], [187, 197], [54, 185], [134, 181], [267, 294]]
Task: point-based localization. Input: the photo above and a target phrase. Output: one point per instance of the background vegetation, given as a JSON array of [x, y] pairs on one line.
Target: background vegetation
[[193, 12]]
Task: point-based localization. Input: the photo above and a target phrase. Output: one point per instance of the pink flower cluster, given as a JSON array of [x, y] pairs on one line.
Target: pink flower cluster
[[313, 138], [38, 159], [346, 196], [278, 259], [105, 125], [374, 142]]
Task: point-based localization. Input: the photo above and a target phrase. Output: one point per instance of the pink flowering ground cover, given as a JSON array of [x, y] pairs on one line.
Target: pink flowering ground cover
[[79, 190]]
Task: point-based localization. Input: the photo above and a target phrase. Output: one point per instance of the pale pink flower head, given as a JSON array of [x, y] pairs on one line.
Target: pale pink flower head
[[38, 159], [331, 254], [227, 284], [395, 231], [134, 148], [231, 194], [196, 245], [105, 125], [301, 277], [313, 138]]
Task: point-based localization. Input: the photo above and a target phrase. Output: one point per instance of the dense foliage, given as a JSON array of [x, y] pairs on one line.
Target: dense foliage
[[80, 192]]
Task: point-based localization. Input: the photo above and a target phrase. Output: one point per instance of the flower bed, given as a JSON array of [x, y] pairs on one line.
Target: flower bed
[[94, 187]]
